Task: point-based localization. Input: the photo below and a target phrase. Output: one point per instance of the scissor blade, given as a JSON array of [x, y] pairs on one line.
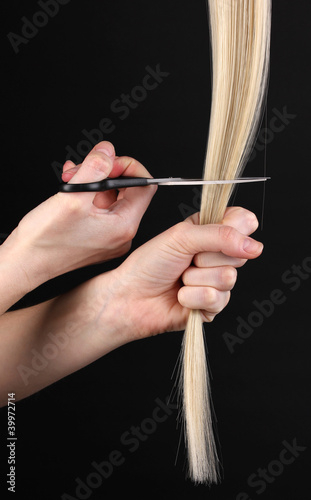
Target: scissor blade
[[176, 181]]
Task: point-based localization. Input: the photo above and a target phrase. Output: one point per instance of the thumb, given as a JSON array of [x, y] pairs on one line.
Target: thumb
[[97, 165], [189, 239]]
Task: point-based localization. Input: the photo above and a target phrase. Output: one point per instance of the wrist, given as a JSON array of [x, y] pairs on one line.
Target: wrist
[[107, 301], [20, 271], [91, 319], [14, 282]]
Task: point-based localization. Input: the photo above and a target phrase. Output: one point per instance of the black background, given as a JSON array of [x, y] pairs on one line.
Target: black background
[[63, 81]]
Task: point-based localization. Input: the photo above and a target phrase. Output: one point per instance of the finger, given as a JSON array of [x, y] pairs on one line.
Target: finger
[[217, 259], [241, 219], [207, 299], [106, 199], [221, 278], [97, 165], [127, 166], [135, 200], [68, 165], [67, 176], [69, 170], [191, 239]]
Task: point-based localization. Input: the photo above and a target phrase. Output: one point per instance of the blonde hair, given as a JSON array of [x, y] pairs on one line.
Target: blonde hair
[[240, 39]]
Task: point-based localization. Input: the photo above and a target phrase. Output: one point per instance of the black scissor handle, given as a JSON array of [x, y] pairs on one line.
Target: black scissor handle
[[105, 184]]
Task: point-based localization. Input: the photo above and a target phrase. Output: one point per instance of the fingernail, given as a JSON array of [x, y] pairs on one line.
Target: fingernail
[[252, 246], [106, 151]]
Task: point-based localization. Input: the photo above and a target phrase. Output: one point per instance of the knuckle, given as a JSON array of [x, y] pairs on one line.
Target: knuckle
[[251, 220], [227, 300], [69, 204], [210, 298], [237, 211], [216, 301], [227, 234], [228, 276], [97, 163], [184, 277], [245, 213], [181, 296], [198, 260], [128, 232], [177, 233], [239, 262]]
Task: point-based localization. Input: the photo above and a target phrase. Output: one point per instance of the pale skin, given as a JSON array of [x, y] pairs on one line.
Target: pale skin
[[151, 292], [73, 230]]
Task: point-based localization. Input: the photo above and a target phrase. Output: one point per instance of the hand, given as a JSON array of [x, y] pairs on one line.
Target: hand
[[72, 230], [187, 266], [156, 286]]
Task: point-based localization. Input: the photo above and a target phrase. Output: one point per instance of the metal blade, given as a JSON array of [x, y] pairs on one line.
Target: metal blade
[[178, 181]]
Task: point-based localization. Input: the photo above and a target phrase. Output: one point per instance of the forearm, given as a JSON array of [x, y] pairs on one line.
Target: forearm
[[14, 282], [44, 343]]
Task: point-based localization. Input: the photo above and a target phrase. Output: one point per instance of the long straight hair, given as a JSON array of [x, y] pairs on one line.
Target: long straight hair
[[240, 40]]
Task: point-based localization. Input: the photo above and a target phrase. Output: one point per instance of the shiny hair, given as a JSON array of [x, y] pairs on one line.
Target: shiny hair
[[240, 41]]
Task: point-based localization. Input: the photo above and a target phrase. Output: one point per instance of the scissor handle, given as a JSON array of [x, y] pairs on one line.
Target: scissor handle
[[105, 184]]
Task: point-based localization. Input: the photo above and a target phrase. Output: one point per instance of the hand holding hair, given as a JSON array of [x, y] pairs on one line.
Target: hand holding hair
[[155, 287], [216, 268], [152, 291]]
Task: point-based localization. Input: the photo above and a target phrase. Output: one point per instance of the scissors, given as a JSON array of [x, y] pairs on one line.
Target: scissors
[[125, 182]]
